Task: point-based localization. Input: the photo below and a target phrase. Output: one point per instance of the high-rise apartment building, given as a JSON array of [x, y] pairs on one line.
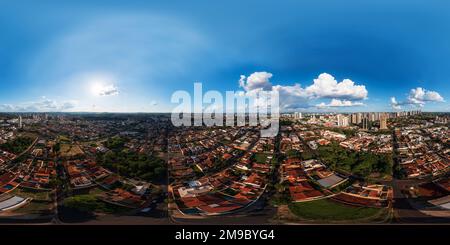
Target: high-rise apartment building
[[365, 123], [342, 121], [298, 115], [383, 122], [20, 122]]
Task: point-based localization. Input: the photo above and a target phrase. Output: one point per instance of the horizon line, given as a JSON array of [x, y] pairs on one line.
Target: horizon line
[[142, 112]]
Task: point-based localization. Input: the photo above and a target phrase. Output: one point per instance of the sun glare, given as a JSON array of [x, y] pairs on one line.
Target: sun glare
[[97, 88], [101, 85]]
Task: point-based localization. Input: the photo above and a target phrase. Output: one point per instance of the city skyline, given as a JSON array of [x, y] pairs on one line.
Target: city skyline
[[84, 57]]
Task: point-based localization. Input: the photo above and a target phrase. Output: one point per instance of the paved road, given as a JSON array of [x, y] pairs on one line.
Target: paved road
[[252, 217]]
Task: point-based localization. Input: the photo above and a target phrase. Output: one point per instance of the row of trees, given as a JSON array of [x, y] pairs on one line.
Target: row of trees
[[87, 205]]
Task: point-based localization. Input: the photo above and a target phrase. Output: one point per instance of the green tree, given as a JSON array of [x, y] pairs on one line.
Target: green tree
[[83, 203]]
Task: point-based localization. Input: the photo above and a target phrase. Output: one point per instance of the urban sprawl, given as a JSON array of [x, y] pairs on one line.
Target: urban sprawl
[[106, 168]]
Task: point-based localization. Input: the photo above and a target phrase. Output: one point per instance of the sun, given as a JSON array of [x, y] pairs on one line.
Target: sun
[[101, 84], [97, 88]]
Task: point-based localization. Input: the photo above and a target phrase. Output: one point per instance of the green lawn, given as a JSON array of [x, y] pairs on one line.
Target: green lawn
[[326, 210], [262, 158]]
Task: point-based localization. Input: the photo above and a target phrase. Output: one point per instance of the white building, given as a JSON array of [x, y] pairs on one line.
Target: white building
[[298, 115], [20, 122], [342, 121]]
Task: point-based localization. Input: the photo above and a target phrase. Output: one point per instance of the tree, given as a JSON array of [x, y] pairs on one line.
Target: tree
[[18, 145], [132, 164], [83, 203]]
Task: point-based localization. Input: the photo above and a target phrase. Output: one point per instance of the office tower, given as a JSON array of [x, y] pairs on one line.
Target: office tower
[[20, 121]]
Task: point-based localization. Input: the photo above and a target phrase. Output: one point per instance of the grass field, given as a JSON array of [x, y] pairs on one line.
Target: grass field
[[95, 191], [326, 210], [63, 138]]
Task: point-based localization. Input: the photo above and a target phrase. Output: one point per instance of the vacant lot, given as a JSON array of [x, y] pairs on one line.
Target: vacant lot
[[67, 150], [36, 195]]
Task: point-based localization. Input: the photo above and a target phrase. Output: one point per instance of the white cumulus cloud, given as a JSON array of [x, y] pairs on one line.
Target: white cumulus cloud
[[326, 86], [394, 104], [257, 80], [339, 103], [420, 96], [292, 97], [417, 97]]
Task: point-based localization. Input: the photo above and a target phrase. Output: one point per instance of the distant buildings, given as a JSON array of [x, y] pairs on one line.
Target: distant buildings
[[295, 115], [440, 119], [363, 119], [298, 115], [407, 113]]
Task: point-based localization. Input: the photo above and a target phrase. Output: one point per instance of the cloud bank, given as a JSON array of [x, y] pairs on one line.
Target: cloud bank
[[342, 94], [43, 105], [339, 103], [417, 97]]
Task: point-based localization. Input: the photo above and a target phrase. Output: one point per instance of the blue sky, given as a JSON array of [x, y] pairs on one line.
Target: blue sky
[[130, 56]]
